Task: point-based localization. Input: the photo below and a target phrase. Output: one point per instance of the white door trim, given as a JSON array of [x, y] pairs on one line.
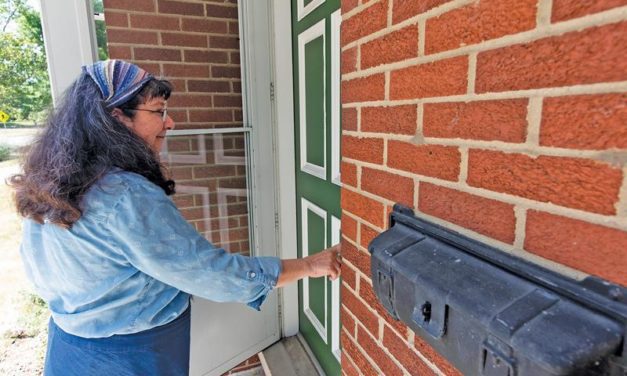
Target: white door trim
[[281, 42], [67, 25]]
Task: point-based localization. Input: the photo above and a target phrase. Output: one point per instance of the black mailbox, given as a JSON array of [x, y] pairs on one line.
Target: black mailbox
[[490, 313]]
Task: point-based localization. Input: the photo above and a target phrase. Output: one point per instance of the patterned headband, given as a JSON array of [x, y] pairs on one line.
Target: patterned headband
[[117, 80]]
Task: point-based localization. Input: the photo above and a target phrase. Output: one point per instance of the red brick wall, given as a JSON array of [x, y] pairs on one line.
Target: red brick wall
[[195, 45], [505, 120]]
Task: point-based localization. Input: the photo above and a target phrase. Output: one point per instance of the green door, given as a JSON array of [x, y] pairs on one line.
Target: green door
[[316, 51]]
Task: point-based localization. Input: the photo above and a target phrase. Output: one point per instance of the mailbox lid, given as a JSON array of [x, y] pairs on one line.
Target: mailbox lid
[[484, 304]]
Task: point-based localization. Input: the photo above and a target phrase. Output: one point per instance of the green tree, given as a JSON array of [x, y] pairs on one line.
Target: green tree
[[24, 82], [101, 32]]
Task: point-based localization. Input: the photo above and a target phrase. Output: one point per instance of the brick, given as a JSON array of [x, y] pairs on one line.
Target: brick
[[349, 119], [179, 173], [430, 160], [478, 22], [227, 101], [181, 7], [150, 67], [185, 70], [439, 78], [131, 36], [208, 86], [204, 25], [348, 368], [568, 9], [572, 182], [594, 122], [348, 172], [184, 40], [371, 88], [348, 5], [396, 119], [219, 116], [231, 43], [181, 201], [237, 87], [120, 52], [179, 117], [396, 46], [193, 213], [235, 58], [367, 293], [200, 56], [222, 72], [145, 21], [190, 100], [377, 354], [404, 353], [157, 54], [348, 323], [136, 5], [349, 276], [179, 144], [115, 19], [403, 9], [233, 28], [363, 314], [495, 120], [488, 217], [365, 149], [425, 349], [349, 228], [367, 234], [351, 349], [368, 21], [219, 11], [584, 57], [356, 257], [588, 247], [177, 84], [349, 60], [388, 185]]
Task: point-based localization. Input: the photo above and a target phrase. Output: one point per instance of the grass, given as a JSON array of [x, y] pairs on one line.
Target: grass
[[33, 317], [5, 153]]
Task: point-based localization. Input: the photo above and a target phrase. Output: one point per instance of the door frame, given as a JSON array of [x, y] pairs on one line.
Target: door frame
[[285, 153], [281, 27], [69, 41], [266, 56]]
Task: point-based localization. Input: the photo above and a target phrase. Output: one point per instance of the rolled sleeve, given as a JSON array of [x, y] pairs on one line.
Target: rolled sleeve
[[267, 274], [154, 237]]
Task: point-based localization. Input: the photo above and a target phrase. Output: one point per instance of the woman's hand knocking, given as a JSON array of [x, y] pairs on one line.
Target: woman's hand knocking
[[326, 262]]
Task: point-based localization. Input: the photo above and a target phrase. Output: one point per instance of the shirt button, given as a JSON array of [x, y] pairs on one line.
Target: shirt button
[[253, 274]]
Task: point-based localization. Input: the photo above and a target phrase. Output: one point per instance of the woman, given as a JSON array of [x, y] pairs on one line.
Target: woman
[[105, 246]]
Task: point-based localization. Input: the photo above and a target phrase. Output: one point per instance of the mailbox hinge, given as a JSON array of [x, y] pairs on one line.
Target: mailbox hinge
[[618, 366], [497, 359]]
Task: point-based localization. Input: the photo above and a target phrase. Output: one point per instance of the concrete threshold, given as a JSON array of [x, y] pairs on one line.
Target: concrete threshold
[[290, 356]]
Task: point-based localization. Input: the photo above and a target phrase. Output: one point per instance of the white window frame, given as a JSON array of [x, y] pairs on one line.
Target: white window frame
[[67, 24]]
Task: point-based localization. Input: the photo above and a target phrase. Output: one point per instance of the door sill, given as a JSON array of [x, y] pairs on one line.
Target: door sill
[[290, 356]]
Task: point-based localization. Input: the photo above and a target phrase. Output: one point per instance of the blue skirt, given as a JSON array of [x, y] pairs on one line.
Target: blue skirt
[[163, 350]]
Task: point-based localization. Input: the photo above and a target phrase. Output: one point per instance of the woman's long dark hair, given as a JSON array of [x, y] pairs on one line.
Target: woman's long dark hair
[[80, 143]]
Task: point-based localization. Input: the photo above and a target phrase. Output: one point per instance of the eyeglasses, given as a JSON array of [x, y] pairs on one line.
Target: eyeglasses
[[164, 112]]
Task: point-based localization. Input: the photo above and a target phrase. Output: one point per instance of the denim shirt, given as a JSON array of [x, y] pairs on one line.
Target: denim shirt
[[131, 261]]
